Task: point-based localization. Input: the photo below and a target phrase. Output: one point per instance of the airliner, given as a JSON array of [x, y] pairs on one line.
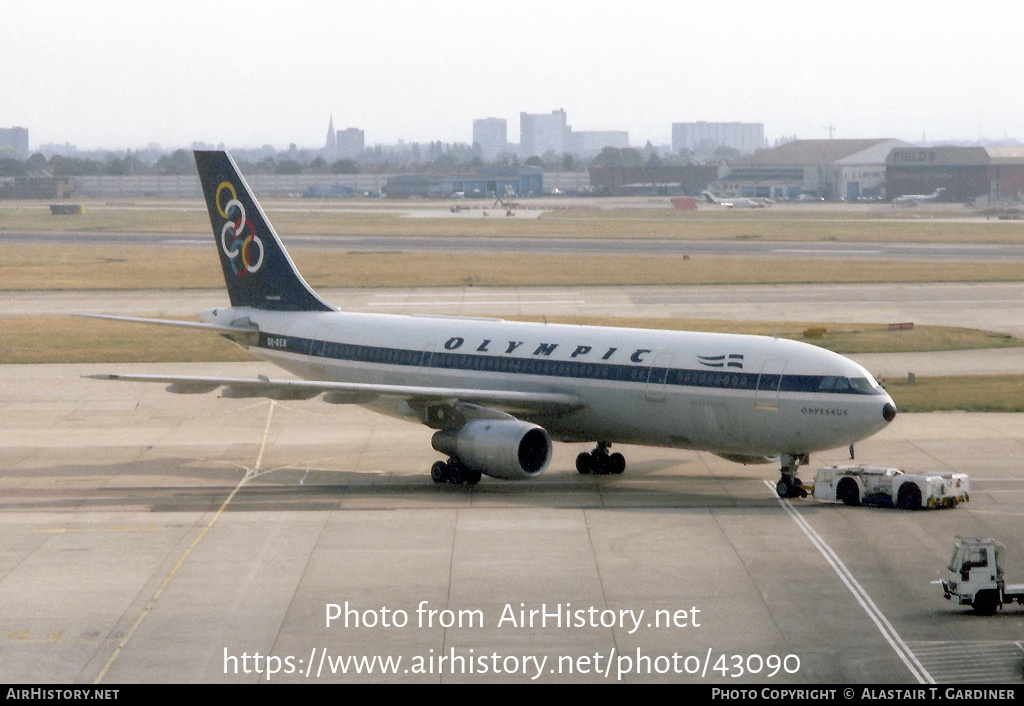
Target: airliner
[[497, 393], [911, 199], [737, 202]]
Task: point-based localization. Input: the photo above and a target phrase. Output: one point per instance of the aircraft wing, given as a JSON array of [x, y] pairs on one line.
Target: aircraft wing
[[361, 393]]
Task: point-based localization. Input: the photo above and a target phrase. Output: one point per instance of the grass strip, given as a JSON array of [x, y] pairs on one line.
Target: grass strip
[[838, 337], [108, 267], [590, 218], [980, 393]]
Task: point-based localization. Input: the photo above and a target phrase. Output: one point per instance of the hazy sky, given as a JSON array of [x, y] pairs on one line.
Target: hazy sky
[[110, 73]]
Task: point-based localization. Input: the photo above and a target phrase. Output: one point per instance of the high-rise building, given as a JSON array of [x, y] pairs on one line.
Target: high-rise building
[[344, 144], [704, 138], [589, 143], [15, 141], [492, 136], [351, 143], [540, 133]]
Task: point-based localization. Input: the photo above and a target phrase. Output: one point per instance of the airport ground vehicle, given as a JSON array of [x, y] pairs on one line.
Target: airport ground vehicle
[[975, 576], [891, 487]]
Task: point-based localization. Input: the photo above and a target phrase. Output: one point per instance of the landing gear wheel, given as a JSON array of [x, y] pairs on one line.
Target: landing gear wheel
[[585, 464], [616, 464], [789, 486], [600, 463], [454, 472], [439, 472], [782, 488]]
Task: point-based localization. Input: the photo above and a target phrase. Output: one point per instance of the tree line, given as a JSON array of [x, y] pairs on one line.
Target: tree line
[[403, 158]]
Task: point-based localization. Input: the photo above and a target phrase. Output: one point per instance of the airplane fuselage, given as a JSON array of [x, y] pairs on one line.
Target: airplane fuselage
[[497, 392], [744, 397]]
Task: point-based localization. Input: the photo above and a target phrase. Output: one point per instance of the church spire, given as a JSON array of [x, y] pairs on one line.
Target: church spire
[[332, 138]]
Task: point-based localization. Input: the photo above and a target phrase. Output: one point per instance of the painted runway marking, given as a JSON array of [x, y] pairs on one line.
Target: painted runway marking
[[820, 251], [471, 302], [185, 555], [473, 294], [980, 662], [880, 621]]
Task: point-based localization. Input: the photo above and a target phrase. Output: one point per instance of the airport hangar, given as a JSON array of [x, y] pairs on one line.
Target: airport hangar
[[966, 173], [877, 168], [825, 169]]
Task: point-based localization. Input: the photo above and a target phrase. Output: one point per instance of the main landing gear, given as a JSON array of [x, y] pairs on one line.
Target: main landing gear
[[789, 486], [600, 462], [454, 472]]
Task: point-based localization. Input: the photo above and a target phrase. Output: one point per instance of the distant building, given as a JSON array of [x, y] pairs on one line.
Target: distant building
[[702, 138], [666, 180], [549, 133], [351, 144], [540, 133], [965, 173], [331, 148], [830, 169], [486, 182], [589, 143], [491, 134], [14, 140], [35, 188], [344, 144]]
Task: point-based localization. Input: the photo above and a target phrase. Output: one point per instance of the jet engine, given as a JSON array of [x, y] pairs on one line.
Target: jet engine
[[509, 449]]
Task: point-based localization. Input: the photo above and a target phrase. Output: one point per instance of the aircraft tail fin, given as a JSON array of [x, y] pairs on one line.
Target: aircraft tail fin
[[257, 269]]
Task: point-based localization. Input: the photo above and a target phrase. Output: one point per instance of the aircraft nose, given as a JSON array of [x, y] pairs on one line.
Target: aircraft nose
[[889, 411]]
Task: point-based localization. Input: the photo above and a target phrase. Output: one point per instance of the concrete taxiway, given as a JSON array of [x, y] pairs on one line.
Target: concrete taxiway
[[150, 537], [791, 251]]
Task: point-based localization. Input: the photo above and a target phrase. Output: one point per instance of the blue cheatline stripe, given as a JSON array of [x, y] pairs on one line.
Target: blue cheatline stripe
[[612, 372]]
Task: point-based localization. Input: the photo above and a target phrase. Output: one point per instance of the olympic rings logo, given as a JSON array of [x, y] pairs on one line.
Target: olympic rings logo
[[245, 249]]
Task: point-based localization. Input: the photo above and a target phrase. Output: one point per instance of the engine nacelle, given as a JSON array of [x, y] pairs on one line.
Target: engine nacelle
[[501, 448]]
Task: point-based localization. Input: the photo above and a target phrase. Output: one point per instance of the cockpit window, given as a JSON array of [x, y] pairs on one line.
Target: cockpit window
[[859, 386], [865, 386], [831, 383]]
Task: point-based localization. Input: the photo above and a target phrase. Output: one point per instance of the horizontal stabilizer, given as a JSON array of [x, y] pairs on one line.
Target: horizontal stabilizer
[[246, 334], [175, 323]]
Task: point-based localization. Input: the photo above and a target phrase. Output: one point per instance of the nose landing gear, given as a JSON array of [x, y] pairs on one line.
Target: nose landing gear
[[789, 486]]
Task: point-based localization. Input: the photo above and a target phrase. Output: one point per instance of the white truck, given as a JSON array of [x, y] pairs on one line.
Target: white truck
[[891, 487], [975, 576]]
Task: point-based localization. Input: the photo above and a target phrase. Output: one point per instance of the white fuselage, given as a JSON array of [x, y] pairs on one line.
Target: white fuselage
[[739, 396]]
